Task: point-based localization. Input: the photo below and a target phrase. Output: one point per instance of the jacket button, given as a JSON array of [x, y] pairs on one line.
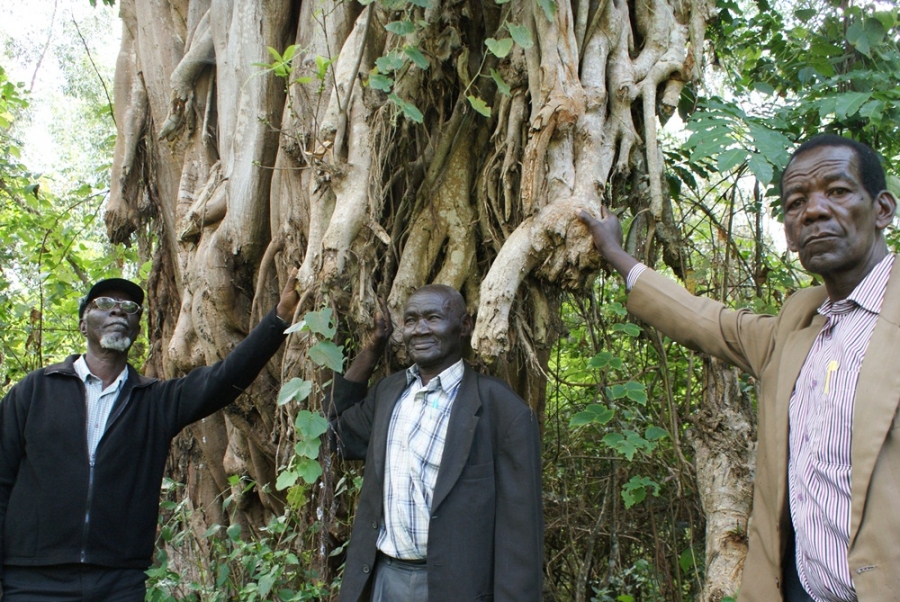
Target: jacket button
[[366, 569], [374, 524]]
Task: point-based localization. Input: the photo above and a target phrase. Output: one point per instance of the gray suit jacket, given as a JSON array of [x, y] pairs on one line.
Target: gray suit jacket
[[773, 349], [485, 537]]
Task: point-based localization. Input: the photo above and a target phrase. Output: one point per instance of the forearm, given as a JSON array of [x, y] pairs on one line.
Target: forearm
[[619, 260], [363, 366]]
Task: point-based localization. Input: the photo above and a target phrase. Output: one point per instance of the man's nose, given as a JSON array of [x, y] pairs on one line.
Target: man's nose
[[818, 205], [420, 326]]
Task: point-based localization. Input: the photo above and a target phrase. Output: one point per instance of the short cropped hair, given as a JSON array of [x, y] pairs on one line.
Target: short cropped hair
[[868, 163]]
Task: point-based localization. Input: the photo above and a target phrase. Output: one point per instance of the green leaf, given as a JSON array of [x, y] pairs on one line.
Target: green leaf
[[327, 354], [617, 442], [635, 391], [309, 470], [320, 322], [296, 327], [390, 62], [848, 104], [417, 57], [274, 54], [296, 497], [286, 478], [549, 8], [234, 531], [635, 490], [593, 414], [617, 391], [479, 105], [601, 360], [654, 433], [499, 48], [401, 28], [308, 448], [295, 389], [289, 52], [408, 109], [731, 159], [502, 86], [761, 168], [310, 424], [632, 330], [421, 3], [521, 35], [265, 585], [381, 82]]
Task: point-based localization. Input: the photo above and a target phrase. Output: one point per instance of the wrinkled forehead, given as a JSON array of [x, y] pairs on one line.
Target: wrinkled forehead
[[431, 299]]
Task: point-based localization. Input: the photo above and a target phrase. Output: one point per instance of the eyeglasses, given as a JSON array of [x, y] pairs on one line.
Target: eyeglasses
[[107, 303]]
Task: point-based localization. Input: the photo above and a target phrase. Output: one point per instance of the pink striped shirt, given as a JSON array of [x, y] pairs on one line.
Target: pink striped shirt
[[821, 428]]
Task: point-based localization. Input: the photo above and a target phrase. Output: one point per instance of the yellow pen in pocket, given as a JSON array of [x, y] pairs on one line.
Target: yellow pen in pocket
[[832, 367]]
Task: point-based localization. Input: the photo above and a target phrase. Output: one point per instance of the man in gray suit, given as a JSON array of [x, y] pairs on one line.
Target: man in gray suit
[[824, 523], [450, 509]]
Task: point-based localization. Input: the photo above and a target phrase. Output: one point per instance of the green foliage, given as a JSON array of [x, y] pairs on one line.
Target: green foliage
[[53, 247], [817, 66], [264, 565]]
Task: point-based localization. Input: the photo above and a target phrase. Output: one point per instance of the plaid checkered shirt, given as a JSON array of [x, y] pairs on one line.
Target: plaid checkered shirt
[[415, 445]]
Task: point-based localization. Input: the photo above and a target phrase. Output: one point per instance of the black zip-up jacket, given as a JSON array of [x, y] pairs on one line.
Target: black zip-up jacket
[[55, 508]]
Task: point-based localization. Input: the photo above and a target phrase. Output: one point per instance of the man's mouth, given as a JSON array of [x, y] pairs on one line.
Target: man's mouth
[[820, 237], [421, 344]]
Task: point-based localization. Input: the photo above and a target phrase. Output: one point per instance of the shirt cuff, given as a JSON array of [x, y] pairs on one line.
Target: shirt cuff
[[633, 276]]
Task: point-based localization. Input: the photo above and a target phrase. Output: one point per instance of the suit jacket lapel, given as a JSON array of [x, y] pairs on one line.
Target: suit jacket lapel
[[384, 409], [876, 398], [460, 433]]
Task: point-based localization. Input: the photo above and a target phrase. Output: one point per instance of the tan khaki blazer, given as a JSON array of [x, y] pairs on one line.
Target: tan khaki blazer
[[773, 349]]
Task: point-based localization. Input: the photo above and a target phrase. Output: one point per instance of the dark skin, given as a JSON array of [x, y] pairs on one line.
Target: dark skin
[[434, 327], [830, 220], [107, 364], [836, 228]]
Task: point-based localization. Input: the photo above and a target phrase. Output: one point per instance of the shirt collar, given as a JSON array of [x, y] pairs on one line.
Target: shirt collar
[[868, 294], [446, 380], [84, 373]]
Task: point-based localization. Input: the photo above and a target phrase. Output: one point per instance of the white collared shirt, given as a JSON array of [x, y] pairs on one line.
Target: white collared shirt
[[98, 402]]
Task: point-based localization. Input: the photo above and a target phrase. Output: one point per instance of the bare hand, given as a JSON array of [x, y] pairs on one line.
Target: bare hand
[[606, 233], [363, 365], [290, 298], [384, 327]]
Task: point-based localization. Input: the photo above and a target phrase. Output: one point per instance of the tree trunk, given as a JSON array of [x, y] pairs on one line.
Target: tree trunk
[[724, 441], [237, 174]]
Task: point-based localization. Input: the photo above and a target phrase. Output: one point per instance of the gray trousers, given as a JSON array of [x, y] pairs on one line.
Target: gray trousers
[[399, 580]]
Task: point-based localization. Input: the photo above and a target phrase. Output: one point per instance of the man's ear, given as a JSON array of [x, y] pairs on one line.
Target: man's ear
[[885, 208], [82, 327], [467, 325]]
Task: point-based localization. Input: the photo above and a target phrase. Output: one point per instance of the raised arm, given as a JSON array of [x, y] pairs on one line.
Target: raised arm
[[363, 365]]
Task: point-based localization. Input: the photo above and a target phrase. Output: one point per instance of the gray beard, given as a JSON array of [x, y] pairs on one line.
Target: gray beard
[[116, 342]]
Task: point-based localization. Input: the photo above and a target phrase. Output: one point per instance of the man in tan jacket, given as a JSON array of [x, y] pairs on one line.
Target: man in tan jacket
[[824, 525]]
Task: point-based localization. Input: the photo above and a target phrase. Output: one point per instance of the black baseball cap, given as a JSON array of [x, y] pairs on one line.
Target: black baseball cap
[[111, 284]]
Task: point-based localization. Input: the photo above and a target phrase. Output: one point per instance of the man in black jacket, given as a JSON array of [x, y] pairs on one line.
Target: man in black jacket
[[83, 446], [450, 509]]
